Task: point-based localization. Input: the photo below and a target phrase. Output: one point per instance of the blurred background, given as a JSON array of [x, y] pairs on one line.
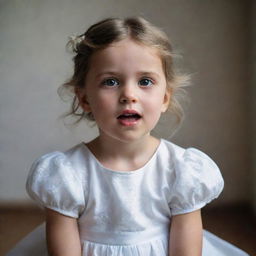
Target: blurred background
[[217, 40]]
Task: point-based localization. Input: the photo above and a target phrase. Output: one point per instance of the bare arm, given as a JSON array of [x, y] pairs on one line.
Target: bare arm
[[186, 235], [62, 235]]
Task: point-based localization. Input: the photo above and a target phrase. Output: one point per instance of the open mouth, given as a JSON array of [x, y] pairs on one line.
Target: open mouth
[[130, 116]]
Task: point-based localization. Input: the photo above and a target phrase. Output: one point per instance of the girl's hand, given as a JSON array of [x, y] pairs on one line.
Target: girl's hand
[[186, 235], [62, 235]]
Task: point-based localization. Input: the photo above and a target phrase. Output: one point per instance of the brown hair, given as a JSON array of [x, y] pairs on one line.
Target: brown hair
[[109, 31]]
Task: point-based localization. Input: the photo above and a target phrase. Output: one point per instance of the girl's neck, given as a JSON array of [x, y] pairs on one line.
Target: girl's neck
[[123, 156]]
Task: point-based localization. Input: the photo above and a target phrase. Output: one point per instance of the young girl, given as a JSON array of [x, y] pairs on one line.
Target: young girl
[[125, 192]]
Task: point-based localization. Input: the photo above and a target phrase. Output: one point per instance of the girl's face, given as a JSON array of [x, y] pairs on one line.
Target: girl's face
[[125, 89]]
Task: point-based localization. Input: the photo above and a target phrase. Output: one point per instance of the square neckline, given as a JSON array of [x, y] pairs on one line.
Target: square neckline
[[132, 172]]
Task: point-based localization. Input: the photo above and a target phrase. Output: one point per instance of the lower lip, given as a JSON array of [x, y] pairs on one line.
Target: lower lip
[[128, 122]]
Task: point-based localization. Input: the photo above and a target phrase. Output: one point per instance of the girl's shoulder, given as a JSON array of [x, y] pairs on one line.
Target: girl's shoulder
[[187, 162], [192, 156], [70, 158]]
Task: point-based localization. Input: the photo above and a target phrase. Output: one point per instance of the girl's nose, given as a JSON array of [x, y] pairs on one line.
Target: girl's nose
[[128, 95]]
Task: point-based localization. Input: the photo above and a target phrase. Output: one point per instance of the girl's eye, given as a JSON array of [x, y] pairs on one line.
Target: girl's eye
[[111, 82], [145, 82]]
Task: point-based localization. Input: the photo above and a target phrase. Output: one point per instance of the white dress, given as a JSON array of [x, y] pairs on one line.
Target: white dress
[[124, 213]]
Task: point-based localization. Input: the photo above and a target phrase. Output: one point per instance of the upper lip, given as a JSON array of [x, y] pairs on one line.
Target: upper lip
[[129, 112]]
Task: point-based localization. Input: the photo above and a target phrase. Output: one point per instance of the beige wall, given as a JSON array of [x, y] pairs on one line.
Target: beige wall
[[211, 35]]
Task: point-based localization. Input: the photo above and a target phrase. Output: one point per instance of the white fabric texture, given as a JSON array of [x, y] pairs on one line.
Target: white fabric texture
[[128, 213]]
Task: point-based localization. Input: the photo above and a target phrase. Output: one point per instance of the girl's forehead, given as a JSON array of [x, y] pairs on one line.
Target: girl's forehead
[[129, 44], [127, 53]]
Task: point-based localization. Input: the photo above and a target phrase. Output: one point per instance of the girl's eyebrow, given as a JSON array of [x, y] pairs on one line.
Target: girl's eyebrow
[[140, 73], [109, 73], [149, 73]]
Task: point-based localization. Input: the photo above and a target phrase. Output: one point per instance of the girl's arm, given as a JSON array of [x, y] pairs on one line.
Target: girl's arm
[[186, 235], [62, 235]]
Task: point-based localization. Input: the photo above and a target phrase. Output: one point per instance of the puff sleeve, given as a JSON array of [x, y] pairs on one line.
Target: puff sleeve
[[197, 182], [53, 183]]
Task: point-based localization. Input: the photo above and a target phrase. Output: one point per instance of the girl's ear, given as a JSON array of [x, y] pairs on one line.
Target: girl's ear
[[80, 93], [167, 98]]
